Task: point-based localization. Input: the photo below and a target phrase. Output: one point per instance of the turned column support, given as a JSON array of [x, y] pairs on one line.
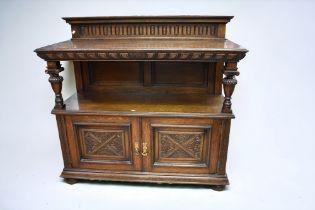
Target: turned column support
[[53, 69], [229, 82]]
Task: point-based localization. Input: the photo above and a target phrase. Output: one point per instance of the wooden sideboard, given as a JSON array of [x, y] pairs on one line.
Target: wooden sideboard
[[149, 105]]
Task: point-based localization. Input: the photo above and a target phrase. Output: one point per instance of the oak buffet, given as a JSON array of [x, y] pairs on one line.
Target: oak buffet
[[149, 105]]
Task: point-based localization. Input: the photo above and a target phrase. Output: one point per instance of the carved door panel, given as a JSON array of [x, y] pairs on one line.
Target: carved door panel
[[181, 145], [103, 143]]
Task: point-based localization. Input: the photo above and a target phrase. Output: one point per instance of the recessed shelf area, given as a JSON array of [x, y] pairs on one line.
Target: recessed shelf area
[[145, 104]]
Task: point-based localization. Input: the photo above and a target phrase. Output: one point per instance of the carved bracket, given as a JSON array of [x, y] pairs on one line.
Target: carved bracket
[[53, 69], [229, 82]]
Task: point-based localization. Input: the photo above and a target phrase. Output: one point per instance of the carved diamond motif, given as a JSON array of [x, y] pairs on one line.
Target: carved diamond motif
[[104, 143], [180, 145]]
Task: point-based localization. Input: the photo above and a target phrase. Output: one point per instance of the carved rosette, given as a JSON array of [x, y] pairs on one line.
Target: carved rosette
[[53, 69], [229, 82]]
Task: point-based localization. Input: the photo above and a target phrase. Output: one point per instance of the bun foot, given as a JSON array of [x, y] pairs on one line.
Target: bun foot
[[71, 181], [218, 187]]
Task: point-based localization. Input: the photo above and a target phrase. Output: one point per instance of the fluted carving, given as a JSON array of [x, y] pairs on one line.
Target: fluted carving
[[53, 69], [145, 30], [229, 82]]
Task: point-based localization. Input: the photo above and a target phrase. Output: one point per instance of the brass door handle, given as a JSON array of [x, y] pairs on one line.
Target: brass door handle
[[144, 149], [137, 148]]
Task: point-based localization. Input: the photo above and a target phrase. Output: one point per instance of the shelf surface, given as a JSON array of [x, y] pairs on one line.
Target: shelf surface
[[143, 44], [212, 49], [142, 104], [149, 19]]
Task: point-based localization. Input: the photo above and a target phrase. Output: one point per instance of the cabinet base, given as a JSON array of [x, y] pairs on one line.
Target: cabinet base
[[218, 187], [71, 180], [217, 182]]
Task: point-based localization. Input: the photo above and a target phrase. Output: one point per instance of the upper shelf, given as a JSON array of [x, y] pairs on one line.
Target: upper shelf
[[196, 38], [143, 49]]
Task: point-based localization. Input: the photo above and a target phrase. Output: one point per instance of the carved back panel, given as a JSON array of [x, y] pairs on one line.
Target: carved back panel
[[148, 26], [133, 76]]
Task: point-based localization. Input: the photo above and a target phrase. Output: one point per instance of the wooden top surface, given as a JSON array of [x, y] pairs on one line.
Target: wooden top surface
[[149, 19], [142, 44], [145, 104], [143, 49]]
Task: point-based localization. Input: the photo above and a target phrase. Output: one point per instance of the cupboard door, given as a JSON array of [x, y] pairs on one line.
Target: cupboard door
[[181, 145], [103, 143]]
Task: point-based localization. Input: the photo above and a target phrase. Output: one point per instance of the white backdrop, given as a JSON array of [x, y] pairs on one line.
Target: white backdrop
[[271, 153]]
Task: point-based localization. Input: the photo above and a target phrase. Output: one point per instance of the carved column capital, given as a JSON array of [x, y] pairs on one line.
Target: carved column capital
[[230, 69], [53, 69], [229, 82]]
